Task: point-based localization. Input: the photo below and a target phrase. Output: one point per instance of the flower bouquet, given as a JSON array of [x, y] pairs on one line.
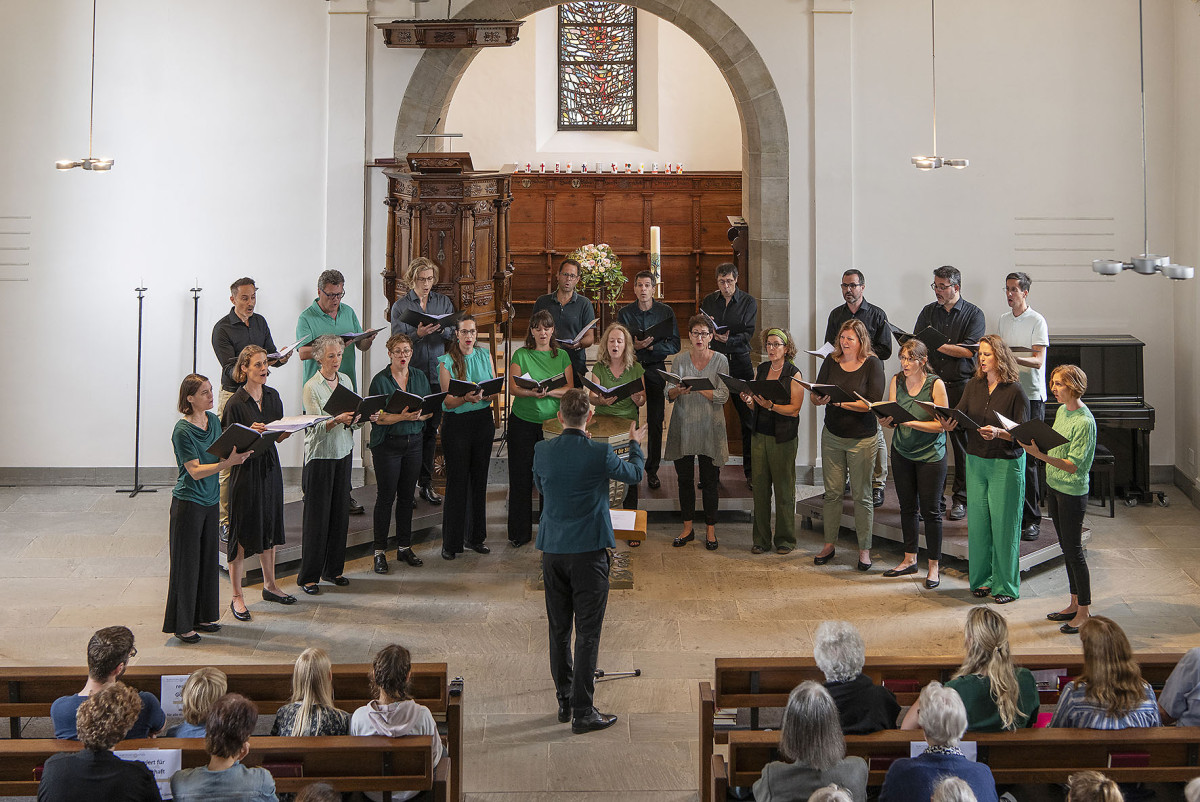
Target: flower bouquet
[[600, 276]]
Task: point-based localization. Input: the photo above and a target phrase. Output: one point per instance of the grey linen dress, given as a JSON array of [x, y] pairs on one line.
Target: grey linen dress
[[697, 424]]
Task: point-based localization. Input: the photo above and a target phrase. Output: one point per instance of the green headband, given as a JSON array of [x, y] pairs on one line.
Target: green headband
[[778, 333]]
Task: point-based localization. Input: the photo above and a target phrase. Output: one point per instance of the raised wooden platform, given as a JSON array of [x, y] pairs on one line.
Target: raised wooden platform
[[735, 491]]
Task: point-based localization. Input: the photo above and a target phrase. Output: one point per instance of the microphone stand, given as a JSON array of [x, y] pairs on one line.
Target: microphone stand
[[137, 425], [195, 322]]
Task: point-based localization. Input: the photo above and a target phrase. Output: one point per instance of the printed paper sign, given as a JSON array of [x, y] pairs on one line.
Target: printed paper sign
[[171, 694], [163, 762]]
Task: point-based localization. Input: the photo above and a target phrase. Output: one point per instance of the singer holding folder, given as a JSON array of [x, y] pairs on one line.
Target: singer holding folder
[[255, 487], [396, 441], [468, 430], [617, 365], [193, 594]]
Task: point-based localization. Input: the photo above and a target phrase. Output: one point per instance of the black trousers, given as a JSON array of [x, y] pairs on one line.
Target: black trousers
[[193, 594], [958, 446], [919, 488], [522, 437], [576, 595], [1035, 476], [1067, 512], [467, 444], [656, 402], [429, 445], [709, 477], [578, 357], [397, 465], [326, 484], [740, 368]]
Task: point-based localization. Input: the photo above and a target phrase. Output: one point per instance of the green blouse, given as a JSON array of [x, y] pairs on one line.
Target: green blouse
[[540, 365], [385, 384], [982, 715], [625, 408], [191, 443], [913, 444]]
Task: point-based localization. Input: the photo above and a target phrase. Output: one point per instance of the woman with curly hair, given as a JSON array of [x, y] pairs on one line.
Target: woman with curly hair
[[1110, 694], [995, 472], [312, 710], [997, 694]]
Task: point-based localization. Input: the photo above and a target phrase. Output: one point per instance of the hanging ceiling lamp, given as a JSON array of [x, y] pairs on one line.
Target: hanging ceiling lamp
[[91, 162], [1145, 263], [934, 162]]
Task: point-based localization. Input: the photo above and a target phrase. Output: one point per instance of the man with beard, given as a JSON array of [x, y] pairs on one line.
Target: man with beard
[[108, 655]]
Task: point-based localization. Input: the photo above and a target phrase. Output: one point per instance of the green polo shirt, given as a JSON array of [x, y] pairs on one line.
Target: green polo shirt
[[982, 715], [539, 365], [313, 323], [191, 443], [385, 384]]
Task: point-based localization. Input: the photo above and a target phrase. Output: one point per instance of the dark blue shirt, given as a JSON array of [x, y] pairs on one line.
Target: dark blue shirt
[[633, 318], [426, 350], [62, 715]]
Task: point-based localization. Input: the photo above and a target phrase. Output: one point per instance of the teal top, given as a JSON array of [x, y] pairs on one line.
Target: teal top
[[191, 442], [312, 324], [1079, 427], [385, 384], [913, 444], [479, 368], [625, 408], [540, 365], [318, 443]]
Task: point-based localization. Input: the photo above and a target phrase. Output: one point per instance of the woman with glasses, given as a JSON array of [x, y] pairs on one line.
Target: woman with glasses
[[849, 440], [541, 359], [396, 441], [697, 430], [773, 446], [918, 459]]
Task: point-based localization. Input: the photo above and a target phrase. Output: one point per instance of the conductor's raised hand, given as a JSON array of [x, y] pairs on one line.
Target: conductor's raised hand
[[638, 434]]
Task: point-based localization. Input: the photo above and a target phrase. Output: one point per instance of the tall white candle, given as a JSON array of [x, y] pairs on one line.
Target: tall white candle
[[656, 259]]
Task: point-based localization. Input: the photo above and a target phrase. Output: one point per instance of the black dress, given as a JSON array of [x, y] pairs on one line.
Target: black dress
[[255, 486]]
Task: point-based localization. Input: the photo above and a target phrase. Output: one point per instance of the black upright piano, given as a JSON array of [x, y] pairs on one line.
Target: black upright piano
[[1116, 395]]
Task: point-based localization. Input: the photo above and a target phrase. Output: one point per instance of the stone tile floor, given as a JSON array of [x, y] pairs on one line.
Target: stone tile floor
[[79, 558]]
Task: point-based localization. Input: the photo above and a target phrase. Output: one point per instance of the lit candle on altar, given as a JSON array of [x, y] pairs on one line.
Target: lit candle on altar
[[656, 259]]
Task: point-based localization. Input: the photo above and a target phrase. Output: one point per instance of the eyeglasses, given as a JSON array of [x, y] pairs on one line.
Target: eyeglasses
[[850, 286], [774, 345], [337, 295], [405, 352], [909, 359], [132, 654], [704, 333], [941, 287]]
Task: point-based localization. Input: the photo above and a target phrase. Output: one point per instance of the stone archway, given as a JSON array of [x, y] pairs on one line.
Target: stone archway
[[764, 126]]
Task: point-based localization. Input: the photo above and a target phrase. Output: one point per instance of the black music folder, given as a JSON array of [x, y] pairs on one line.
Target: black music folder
[[553, 383], [573, 342], [616, 393], [460, 388], [415, 318], [777, 391], [694, 382], [1033, 431], [243, 438], [717, 327], [659, 331], [950, 413], [893, 410], [357, 336], [343, 400], [400, 402], [836, 394]]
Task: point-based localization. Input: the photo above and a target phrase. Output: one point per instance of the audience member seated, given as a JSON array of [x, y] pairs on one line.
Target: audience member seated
[[318, 792], [1092, 786], [1110, 694], [95, 772], [204, 687], [831, 793], [1191, 791], [811, 737], [863, 706], [311, 711], [953, 789], [393, 712], [997, 695], [944, 720], [227, 741], [108, 654], [1179, 702]]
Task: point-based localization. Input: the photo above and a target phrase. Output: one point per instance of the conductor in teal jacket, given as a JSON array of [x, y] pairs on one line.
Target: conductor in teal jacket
[[574, 536]]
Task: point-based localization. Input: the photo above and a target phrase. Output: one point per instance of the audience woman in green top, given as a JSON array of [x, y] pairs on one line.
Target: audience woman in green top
[[468, 430], [193, 592], [326, 477], [918, 459], [396, 448], [1067, 469], [616, 365], [541, 358], [998, 695]]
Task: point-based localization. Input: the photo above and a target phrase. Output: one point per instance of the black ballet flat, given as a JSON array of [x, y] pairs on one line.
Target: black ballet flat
[[711, 545], [1060, 616], [1065, 629], [208, 627], [311, 590], [278, 598], [932, 583], [912, 569], [819, 560], [243, 616], [195, 638], [683, 541], [862, 566], [339, 580]]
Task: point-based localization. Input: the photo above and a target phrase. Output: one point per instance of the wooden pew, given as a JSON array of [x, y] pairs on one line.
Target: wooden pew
[[31, 691], [1160, 754], [754, 683], [347, 762]]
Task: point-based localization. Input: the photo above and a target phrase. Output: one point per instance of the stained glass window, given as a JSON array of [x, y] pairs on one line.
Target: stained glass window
[[597, 66]]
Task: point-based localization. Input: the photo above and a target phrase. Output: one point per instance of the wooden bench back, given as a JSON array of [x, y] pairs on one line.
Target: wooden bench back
[[347, 762]]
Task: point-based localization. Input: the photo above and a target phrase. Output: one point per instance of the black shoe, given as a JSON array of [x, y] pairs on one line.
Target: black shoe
[[355, 507], [208, 627], [877, 497], [1031, 533], [912, 569], [479, 548], [224, 533], [1065, 629], [958, 511], [243, 616], [932, 583], [564, 711], [822, 560], [340, 581], [381, 566], [311, 590], [447, 555], [862, 566], [683, 541], [756, 549], [652, 481], [981, 593], [407, 556], [516, 544], [278, 598], [711, 545], [1004, 598], [1049, 617], [429, 494], [195, 638], [591, 721]]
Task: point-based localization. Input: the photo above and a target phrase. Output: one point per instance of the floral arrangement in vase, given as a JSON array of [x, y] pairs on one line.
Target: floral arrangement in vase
[[600, 276]]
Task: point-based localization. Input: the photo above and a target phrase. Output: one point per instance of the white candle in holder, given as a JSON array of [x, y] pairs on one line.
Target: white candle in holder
[[656, 259]]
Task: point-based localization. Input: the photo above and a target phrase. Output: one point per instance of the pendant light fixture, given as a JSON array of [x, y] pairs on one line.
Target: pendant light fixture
[[1146, 263], [91, 162], [934, 162]]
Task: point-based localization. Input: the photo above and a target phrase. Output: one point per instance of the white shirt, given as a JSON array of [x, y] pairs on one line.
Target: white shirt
[[1027, 330]]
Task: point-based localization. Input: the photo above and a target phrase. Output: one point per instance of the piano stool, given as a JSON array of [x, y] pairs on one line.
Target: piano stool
[[1103, 478]]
